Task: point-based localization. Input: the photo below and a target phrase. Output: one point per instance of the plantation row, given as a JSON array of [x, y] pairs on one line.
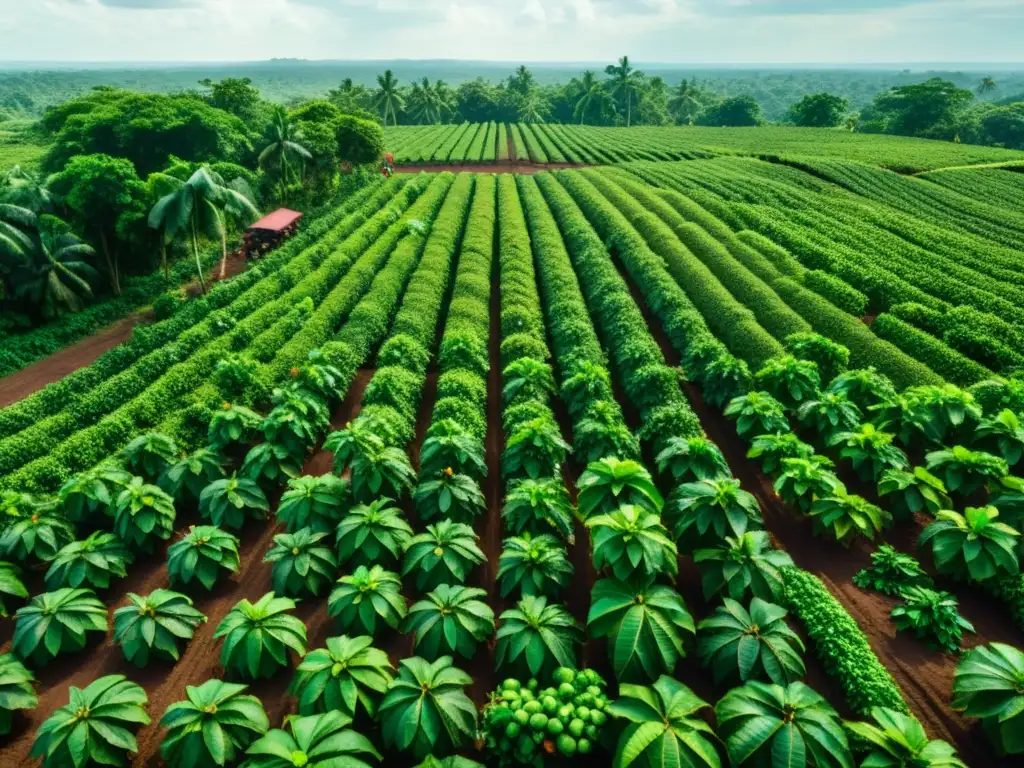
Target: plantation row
[[951, 298], [591, 145], [485, 307]]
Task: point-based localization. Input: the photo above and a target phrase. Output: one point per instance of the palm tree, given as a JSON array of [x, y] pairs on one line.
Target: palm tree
[[348, 94], [446, 102], [986, 86], [388, 99], [685, 103], [200, 204], [626, 82], [284, 148], [53, 274], [593, 94], [14, 220], [530, 109], [424, 102], [27, 189]]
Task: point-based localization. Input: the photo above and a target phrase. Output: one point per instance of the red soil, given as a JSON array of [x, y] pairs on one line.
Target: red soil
[[23, 383], [504, 166]]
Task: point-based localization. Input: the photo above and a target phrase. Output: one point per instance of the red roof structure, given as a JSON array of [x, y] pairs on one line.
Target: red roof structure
[[278, 221]]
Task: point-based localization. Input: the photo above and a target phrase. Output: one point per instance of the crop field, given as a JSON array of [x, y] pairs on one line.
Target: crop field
[[546, 143], [702, 455], [16, 148]]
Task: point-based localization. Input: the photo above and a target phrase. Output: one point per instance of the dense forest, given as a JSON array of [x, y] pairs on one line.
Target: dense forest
[[29, 91]]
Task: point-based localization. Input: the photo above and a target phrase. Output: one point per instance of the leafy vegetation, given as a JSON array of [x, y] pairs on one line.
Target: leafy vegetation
[[755, 644], [153, 626], [347, 676], [97, 724], [425, 710], [213, 726], [57, 622], [364, 598], [257, 636], [203, 555]]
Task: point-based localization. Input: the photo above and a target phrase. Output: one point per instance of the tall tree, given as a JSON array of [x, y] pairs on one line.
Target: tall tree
[[388, 99], [284, 149], [819, 110], [199, 205], [986, 86], [593, 97], [625, 83], [55, 272], [424, 102], [522, 82], [686, 102], [107, 197]]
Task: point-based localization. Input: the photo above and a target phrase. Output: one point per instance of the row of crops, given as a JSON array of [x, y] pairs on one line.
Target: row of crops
[[479, 477], [941, 271], [590, 145]]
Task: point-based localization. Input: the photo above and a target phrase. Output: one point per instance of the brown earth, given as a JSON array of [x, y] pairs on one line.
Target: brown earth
[[23, 383]]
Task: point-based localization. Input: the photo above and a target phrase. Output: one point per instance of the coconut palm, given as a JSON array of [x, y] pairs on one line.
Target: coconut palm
[[53, 274], [625, 83], [200, 204], [387, 99], [987, 85], [685, 102], [284, 149], [593, 96], [425, 102], [14, 220]]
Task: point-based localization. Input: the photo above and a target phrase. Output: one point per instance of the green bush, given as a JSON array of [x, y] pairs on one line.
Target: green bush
[[838, 292], [840, 644]]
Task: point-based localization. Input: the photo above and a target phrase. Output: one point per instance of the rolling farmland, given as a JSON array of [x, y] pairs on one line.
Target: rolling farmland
[[699, 410]]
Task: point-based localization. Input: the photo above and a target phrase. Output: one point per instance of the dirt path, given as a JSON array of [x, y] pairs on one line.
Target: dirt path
[[32, 378], [504, 166]]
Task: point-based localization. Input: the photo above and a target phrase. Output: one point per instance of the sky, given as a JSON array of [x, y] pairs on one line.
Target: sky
[[663, 31]]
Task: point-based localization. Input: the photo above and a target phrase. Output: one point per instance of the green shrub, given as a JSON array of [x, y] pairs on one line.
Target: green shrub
[[232, 718], [449, 620], [227, 502], [346, 676], [838, 292], [758, 722], [533, 565], [97, 725], [364, 598], [840, 644], [303, 563], [443, 554], [645, 624], [55, 622], [319, 741], [144, 514], [933, 616], [202, 555], [154, 625], [90, 563], [534, 638], [257, 636], [313, 502], [755, 644], [425, 710], [631, 542]]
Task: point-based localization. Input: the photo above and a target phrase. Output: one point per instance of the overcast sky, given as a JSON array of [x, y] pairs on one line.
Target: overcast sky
[[685, 31]]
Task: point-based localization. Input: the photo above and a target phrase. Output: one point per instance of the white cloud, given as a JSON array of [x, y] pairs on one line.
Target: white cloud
[[713, 31]]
